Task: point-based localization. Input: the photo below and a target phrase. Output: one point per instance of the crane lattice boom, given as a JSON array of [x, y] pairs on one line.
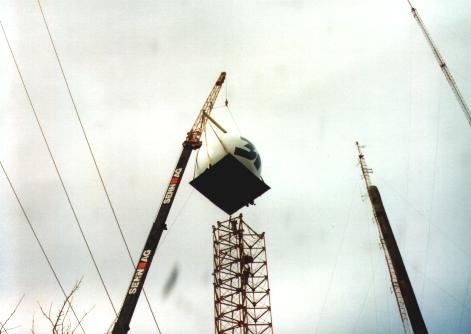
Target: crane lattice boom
[[192, 142]]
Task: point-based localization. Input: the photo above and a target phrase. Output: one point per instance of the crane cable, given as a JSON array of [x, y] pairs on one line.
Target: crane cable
[[57, 171], [206, 147], [205, 143], [221, 142], [219, 139], [93, 158], [226, 104], [442, 64], [12, 313], [196, 166], [43, 251]]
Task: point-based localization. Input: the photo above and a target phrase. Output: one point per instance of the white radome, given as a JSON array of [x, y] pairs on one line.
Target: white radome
[[241, 148]]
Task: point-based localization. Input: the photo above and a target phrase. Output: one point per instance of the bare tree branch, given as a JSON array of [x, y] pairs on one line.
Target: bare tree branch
[[61, 322], [32, 326], [48, 317], [4, 324], [67, 302], [3, 329]]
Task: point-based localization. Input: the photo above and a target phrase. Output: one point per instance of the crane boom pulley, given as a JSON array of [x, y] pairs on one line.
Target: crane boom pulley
[[192, 142]]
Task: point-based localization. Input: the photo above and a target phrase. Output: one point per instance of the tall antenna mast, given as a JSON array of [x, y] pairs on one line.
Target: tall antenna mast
[[442, 64], [409, 310]]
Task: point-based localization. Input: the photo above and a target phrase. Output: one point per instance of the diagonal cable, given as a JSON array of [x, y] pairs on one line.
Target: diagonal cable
[[93, 155], [39, 242], [57, 171]]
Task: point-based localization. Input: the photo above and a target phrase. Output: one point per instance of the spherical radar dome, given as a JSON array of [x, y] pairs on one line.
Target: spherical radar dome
[[241, 148]]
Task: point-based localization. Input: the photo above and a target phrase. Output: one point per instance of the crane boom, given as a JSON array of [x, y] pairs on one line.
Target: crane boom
[[192, 142]]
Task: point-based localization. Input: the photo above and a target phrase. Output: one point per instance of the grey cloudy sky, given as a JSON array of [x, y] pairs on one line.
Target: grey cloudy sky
[[305, 79]]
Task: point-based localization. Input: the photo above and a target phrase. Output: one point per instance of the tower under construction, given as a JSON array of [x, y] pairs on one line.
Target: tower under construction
[[409, 310], [241, 289]]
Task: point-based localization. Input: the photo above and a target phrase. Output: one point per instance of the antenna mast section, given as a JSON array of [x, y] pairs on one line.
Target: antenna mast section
[[409, 310], [442, 64]]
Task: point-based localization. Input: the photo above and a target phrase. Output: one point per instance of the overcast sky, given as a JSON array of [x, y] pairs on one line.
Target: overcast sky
[[305, 80]]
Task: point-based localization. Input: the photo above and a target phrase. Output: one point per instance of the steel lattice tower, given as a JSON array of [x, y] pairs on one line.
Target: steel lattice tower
[[241, 290]]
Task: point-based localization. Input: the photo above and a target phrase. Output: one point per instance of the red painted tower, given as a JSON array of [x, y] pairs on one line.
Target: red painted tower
[[241, 290]]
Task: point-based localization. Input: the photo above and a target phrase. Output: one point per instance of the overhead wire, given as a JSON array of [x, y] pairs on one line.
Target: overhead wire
[[432, 198], [452, 242], [337, 258], [180, 211], [93, 158], [362, 307], [428, 219], [445, 290], [4, 323], [38, 241], [57, 172]]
